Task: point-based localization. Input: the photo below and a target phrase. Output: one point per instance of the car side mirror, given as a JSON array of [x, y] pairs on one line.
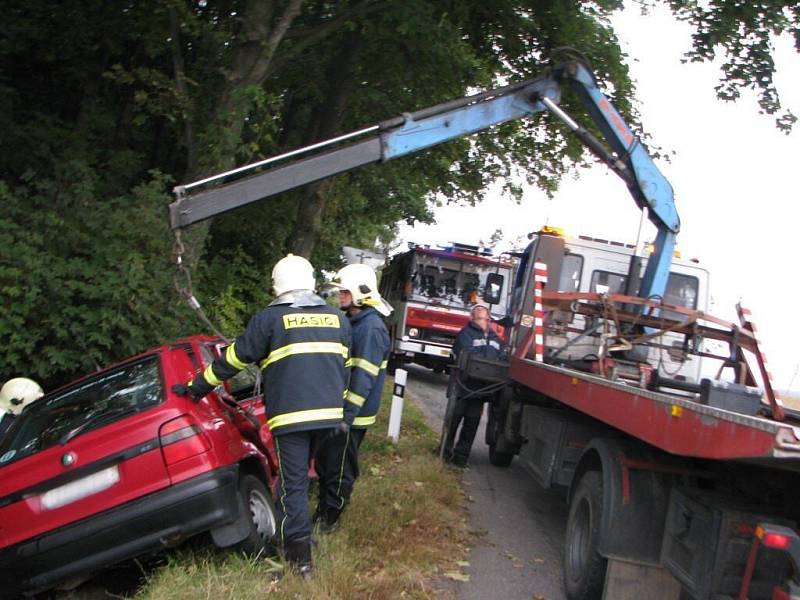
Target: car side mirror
[[493, 288]]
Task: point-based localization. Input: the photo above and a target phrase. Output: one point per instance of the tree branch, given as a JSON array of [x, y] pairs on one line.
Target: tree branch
[[313, 35]]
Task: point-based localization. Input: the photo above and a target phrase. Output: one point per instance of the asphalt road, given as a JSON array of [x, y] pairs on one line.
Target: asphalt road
[[519, 526]]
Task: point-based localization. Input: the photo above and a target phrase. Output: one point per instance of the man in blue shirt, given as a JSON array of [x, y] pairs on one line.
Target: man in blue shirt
[[477, 337]]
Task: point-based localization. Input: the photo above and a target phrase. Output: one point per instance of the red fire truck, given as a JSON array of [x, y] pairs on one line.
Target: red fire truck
[[432, 291]]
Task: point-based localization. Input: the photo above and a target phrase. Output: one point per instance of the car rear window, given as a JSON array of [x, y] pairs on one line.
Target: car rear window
[[93, 403]]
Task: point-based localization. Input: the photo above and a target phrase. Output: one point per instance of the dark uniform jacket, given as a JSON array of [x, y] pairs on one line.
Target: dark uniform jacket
[[302, 345], [485, 344], [5, 423], [370, 352]]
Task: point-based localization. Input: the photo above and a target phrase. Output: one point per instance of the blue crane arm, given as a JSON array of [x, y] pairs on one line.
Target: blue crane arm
[[431, 126], [391, 139], [650, 189]]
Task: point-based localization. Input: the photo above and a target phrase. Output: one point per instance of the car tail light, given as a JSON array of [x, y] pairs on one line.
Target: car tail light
[[180, 439], [81, 488]]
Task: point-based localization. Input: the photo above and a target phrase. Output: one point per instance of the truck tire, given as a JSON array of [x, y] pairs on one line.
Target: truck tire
[[498, 458], [261, 517], [498, 450], [584, 568]]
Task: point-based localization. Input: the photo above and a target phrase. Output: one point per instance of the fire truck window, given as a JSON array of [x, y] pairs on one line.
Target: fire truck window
[[456, 283], [571, 268], [470, 288], [605, 282]]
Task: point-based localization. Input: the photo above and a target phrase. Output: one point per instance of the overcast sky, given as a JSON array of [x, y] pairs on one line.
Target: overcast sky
[[734, 175]]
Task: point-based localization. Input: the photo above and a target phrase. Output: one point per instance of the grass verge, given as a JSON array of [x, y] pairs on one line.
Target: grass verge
[[404, 526]]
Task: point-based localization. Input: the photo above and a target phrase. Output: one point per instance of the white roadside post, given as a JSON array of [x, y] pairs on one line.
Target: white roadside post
[[396, 412]]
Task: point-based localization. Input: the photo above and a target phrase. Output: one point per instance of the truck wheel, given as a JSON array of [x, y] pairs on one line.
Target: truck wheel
[[584, 568], [262, 518], [499, 459]]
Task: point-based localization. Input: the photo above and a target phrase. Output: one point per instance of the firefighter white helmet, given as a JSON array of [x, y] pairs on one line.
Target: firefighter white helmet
[[17, 393], [292, 273], [361, 282]]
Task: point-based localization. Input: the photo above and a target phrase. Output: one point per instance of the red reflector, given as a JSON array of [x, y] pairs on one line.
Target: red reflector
[[781, 594], [776, 540]]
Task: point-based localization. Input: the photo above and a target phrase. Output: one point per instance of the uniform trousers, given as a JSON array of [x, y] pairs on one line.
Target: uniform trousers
[[294, 451], [337, 467], [466, 413]]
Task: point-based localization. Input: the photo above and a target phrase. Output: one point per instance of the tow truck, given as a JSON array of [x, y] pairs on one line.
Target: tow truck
[[432, 291], [678, 487]]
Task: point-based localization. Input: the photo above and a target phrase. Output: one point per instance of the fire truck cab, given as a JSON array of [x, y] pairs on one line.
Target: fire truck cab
[[432, 291]]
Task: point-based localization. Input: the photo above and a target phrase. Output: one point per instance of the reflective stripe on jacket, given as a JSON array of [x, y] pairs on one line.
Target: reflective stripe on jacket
[[370, 352], [302, 352]]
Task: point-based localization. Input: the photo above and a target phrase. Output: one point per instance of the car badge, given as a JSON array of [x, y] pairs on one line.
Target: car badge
[[68, 459]]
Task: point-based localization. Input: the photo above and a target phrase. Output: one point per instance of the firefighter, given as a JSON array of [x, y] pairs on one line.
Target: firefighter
[[337, 458], [15, 395], [302, 345], [479, 338]]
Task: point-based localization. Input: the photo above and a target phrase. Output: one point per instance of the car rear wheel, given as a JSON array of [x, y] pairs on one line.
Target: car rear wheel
[[262, 518]]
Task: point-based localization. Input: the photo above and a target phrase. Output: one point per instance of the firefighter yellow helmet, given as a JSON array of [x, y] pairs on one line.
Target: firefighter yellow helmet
[[292, 273], [17, 393], [361, 282]]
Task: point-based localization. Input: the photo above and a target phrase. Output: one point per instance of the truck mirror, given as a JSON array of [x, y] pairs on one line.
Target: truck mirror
[[493, 288]]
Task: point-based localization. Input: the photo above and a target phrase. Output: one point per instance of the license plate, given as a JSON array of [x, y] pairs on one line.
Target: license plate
[[76, 490]]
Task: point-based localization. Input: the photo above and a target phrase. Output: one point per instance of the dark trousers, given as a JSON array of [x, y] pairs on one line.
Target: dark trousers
[[337, 467], [467, 414], [294, 450]]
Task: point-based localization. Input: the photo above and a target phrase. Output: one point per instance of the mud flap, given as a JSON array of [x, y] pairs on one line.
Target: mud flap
[[634, 581]]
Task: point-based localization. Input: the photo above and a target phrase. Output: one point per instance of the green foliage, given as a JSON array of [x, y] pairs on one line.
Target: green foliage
[[86, 280], [234, 288], [743, 33]]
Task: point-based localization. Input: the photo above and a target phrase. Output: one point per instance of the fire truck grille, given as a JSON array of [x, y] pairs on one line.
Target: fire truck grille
[[438, 337]]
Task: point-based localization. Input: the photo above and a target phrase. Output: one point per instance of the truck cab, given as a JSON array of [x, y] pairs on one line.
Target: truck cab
[[592, 265]]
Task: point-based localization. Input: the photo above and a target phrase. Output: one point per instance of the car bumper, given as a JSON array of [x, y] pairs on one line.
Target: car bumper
[[139, 527]]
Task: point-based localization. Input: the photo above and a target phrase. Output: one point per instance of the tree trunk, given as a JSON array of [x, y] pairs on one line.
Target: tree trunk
[[340, 82]]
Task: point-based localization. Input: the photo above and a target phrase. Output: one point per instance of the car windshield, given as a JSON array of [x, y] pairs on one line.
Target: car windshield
[[91, 404], [454, 283]]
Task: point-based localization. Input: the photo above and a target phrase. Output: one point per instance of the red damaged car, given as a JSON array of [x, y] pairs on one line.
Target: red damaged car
[[116, 465]]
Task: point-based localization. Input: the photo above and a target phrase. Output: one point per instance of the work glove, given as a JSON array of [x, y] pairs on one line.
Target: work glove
[[342, 428], [183, 389]]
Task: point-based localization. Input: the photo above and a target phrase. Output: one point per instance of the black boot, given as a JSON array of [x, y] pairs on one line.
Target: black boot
[[298, 555], [326, 520]]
